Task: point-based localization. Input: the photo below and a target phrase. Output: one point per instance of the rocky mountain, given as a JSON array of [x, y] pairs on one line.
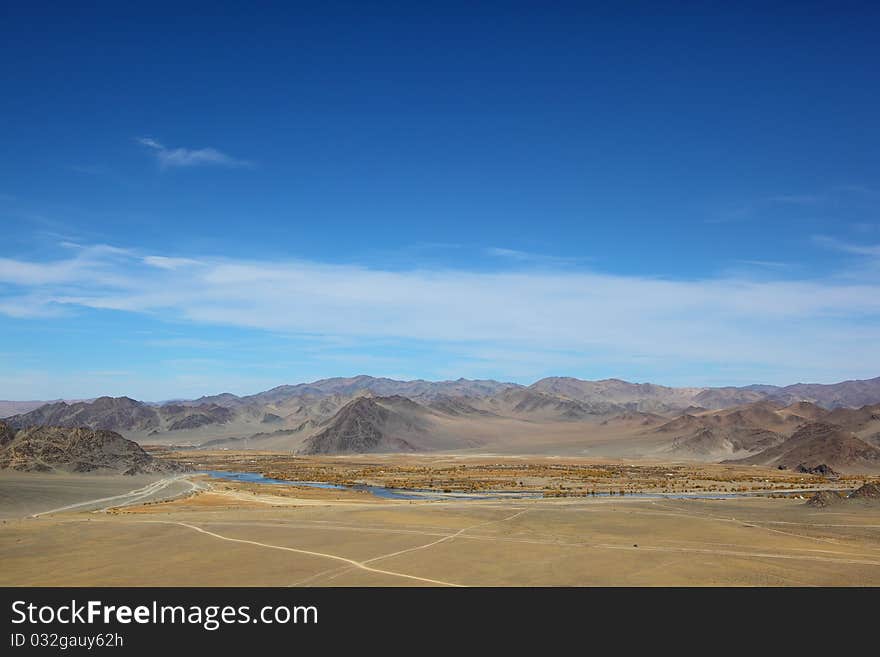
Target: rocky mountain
[[836, 395], [714, 398], [618, 394], [626, 418], [648, 396], [710, 437], [122, 414], [8, 408], [456, 406], [529, 402], [805, 410], [741, 430], [223, 399], [49, 449], [383, 387], [855, 419], [178, 416], [816, 443], [369, 425]]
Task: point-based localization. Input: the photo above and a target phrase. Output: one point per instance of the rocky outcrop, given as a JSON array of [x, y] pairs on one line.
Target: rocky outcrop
[[825, 498], [47, 449], [869, 491], [822, 470], [6, 434]]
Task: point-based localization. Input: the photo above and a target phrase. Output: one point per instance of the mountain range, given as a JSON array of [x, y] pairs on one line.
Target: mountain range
[[558, 415]]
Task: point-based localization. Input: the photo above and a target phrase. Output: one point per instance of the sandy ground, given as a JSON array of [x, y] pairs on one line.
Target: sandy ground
[[249, 536], [25, 493]]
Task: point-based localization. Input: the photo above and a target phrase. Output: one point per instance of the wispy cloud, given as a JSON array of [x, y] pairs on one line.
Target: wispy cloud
[[766, 264], [872, 250], [165, 262], [822, 199], [857, 189], [776, 325], [527, 256], [864, 227], [190, 157], [797, 199]]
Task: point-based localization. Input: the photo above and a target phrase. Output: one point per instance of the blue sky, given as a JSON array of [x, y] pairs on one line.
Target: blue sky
[[196, 200]]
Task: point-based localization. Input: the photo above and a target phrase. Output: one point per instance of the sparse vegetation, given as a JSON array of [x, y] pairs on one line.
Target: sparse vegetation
[[551, 477]]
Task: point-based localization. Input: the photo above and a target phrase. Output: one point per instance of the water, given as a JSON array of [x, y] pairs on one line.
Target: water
[[257, 478], [428, 494], [378, 491]]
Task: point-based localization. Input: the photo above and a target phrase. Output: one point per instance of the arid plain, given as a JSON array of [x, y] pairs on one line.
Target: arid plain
[[565, 529], [371, 481]]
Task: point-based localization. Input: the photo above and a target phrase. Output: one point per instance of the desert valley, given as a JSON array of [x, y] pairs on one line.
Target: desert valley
[[370, 481]]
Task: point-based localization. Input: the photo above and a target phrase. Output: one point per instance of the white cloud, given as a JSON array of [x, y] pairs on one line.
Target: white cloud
[[780, 325], [152, 143], [190, 157], [164, 262]]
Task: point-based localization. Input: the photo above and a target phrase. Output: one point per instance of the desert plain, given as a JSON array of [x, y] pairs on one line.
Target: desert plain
[[564, 523]]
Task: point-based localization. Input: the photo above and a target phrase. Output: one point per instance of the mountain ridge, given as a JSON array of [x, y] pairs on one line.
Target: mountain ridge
[[852, 392], [367, 414]]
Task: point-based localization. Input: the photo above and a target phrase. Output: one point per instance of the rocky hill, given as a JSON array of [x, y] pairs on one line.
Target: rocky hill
[[869, 491], [817, 443], [7, 434], [49, 449], [365, 425], [836, 395], [123, 414], [722, 434], [529, 402], [703, 438], [617, 394], [114, 413]]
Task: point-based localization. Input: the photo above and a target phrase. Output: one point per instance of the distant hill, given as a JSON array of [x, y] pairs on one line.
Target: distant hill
[[418, 389], [9, 408], [365, 425], [114, 413], [855, 419], [122, 414], [531, 402], [554, 415], [617, 393], [844, 394], [817, 443], [50, 449], [713, 435], [714, 398]]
